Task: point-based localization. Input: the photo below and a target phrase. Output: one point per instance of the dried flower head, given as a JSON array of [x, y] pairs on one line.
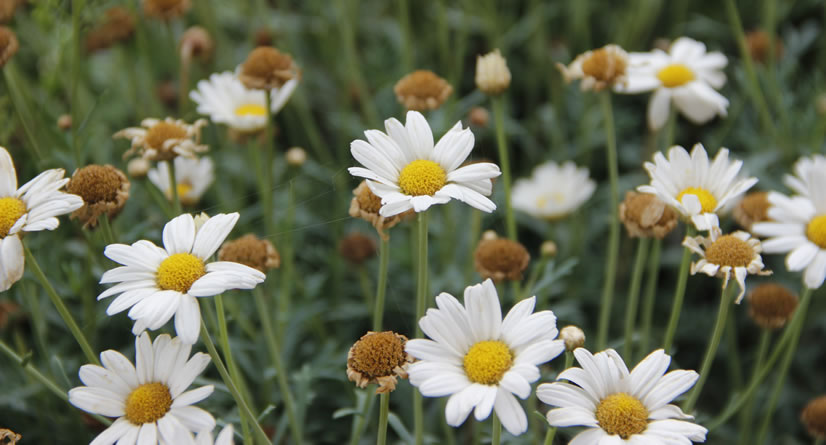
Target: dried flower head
[[9, 437], [501, 259], [645, 216], [8, 45], [759, 44], [251, 251], [753, 208], [138, 167], [296, 156], [196, 42], [422, 90], [573, 337], [357, 248], [267, 68], [479, 117], [166, 9], [771, 305], [814, 417], [64, 122], [117, 25], [492, 73], [378, 357], [366, 205], [7, 8], [162, 140], [597, 69], [104, 190]]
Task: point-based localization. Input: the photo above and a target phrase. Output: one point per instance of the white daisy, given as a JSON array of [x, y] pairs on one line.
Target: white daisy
[[799, 182], [224, 437], [162, 140], [193, 176], [597, 69], [480, 360], [30, 208], [553, 190], [407, 171], [157, 283], [800, 229], [692, 185], [227, 101], [148, 398], [685, 74], [617, 407]]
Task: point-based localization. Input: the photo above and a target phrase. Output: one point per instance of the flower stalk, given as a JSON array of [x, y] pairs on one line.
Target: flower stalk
[[614, 226], [679, 293]]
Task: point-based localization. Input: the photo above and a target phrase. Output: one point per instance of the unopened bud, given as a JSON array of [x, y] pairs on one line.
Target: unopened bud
[[573, 337]]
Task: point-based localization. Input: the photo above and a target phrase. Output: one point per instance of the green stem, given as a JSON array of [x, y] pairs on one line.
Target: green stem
[[223, 339], [266, 183], [106, 227], [733, 353], [504, 161], [549, 436], [746, 414], [613, 241], [473, 239], [648, 299], [532, 279], [21, 108], [360, 421], [713, 344], [404, 24], [634, 295], [679, 293], [381, 287], [77, 6], [173, 187], [496, 430], [348, 39], [421, 298], [366, 287], [183, 80], [384, 411]]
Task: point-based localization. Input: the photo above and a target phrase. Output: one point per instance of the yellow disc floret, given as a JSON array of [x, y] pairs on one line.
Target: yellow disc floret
[[487, 361], [162, 132], [148, 403], [622, 414], [815, 231], [179, 271], [11, 209], [707, 201], [422, 177], [675, 75], [183, 188], [728, 250], [251, 110]]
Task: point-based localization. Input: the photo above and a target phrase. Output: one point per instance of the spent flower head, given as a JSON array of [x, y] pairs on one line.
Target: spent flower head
[[501, 259], [267, 68], [104, 190], [162, 140], [771, 305], [422, 90], [378, 357], [597, 69], [8, 45], [646, 216]]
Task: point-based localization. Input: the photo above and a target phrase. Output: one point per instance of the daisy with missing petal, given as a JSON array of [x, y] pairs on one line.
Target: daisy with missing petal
[[406, 170], [193, 176], [800, 229], [686, 75], [30, 208], [480, 360], [553, 191], [147, 398], [692, 185], [227, 101], [618, 407], [224, 437], [162, 140], [157, 283]]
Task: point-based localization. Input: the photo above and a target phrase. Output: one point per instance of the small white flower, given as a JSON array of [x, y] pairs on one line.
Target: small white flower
[[224, 437], [30, 208], [692, 185], [193, 176], [597, 69], [157, 283], [617, 407], [686, 75], [227, 101], [492, 73], [148, 398], [799, 182], [553, 191], [407, 171], [480, 360], [162, 140]]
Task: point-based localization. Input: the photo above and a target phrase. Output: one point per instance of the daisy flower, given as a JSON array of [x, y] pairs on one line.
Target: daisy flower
[[227, 101], [799, 181], [162, 140], [800, 229], [553, 191], [194, 176], [686, 75], [407, 171], [692, 185], [157, 283], [147, 398], [30, 208], [597, 69], [224, 437], [480, 360], [617, 407]]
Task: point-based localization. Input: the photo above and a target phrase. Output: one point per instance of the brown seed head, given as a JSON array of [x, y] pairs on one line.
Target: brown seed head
[[604, 66], [422, 90], [166, 9], [7, 8], [501, 259], [759, 44], [771, 305], [378, 357], [196, 42], [754, 207], [251, 251], [8, 45], [366, 205], [118, 25], [814, 417], [479, 117], [104, 190], [573, 337], [162, 132], [728, 250], [645, 216], [357, 248], [267, 68], [9, 437]]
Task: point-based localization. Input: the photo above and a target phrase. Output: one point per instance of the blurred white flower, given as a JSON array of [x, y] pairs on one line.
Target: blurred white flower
[[553, 191], [193, 176]]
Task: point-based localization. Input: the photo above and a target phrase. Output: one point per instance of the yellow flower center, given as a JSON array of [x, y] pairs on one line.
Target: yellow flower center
[[422, 177], [251, 110], [148, 403], [162, 132], [675, 75], [816, 230], [487, 361], [11, 209], [622, 414], [183, 188], [731, 251], [707, 201], [179, 271]]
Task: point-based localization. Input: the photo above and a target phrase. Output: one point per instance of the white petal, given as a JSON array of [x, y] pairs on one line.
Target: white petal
[[421, 137], [658, 108], [179, 234], [484, 311], [188, 319], [460, 405], [12, 261], [97, 401], [571, 416], [670, 386], [816, 272], [210, 235], [193, 418], [485, 405], [565, 395], [8, 176], [510, 413], [118, 429]]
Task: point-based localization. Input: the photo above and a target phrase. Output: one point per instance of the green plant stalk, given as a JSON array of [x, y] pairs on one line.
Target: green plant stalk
[[183, 80], [384, 411], [733, 353], [288, 258], [421, 297], [549, 436], [498, 103], [404, 22], [77, 6], [473, 238], [634, 295], [360, 421], [679, 293], [381, 286], [106, 228], [649, 297], [61, 308], [173, 187], [348, 39], [266, 183], [223, 339], [366, 287], [614, 234], [748, 409], [496, 430], [21, 109], [713, 344], [532, 279]]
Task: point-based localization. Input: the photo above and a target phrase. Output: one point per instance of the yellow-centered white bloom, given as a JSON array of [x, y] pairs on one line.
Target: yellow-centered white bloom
[[148, 398], [553, 190], [30, 208], [480, 360], [691, 184], [619, 407], [227, 101], [799, 181], [157, 283], [406, 170], [193, 176], [686, 75], [224, 437]]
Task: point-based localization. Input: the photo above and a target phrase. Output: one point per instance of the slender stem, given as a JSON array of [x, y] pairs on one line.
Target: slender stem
[[504, 161], [634, 295], [679, 294], [421, 297], [549, 436], [173, 187], [223, 339], [404, 23], [384, 411], [473, 238], [77, 6], [288, 259], [713, 344], [266, 183], [613, 241], [648, 299], [106, 227], [381, 286], [746, 414], [18, 101], [366, 287], [496, 430], [360, 421], [537, 269], [733, 353], [183, 78]]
